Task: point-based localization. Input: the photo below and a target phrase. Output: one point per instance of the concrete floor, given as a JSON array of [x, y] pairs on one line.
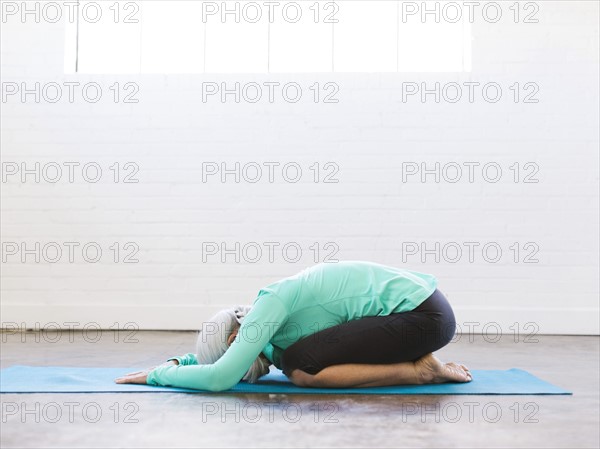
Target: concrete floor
[[240, 421]]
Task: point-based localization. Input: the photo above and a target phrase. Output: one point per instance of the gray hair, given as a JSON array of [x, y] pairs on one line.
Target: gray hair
[[212, 341]]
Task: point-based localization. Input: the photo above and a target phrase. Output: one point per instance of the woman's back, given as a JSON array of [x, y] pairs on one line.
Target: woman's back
[[329, 294]]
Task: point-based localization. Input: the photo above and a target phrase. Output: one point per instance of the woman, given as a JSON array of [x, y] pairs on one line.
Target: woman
[[341, 325]]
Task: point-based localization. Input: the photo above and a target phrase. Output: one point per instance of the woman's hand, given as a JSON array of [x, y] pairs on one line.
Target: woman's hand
[[140, 377], [133, 378]]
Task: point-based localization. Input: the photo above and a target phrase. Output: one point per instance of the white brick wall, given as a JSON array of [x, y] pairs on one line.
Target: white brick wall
[[368, 214]]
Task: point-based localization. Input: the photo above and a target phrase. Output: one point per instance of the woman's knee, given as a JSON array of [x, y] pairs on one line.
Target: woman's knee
[[293, 365], [301, 378], [300, 356]]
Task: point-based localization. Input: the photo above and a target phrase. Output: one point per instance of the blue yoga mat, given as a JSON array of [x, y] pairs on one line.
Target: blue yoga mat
[[62, 379]]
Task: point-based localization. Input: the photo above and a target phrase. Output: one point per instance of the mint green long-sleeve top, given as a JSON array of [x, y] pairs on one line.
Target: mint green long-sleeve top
[[317, 298]]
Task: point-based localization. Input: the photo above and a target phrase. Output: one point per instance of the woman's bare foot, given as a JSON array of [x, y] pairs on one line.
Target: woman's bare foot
[[433, 371]]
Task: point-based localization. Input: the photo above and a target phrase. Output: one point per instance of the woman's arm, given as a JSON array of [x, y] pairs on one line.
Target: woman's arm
[[186, 359], [139, 377], [267, 315]]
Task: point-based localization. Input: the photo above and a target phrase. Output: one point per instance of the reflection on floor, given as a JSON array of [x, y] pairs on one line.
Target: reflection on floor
[[242, 421]]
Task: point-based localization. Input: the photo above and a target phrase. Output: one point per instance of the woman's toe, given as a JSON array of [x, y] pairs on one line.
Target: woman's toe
[[456, 374]]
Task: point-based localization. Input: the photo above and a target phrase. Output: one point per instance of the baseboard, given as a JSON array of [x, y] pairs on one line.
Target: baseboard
[[490, 322]]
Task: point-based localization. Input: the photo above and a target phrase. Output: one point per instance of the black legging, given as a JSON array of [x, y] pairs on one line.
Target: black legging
[[395, 338]]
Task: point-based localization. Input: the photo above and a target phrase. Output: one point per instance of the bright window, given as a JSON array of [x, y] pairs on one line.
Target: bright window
[[267, 37]]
